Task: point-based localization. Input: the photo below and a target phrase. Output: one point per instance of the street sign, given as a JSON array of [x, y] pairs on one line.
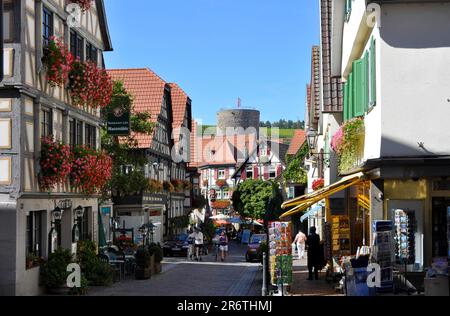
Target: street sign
[[118, 123]]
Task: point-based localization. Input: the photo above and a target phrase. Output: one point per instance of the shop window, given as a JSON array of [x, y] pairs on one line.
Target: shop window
[[34, 234]]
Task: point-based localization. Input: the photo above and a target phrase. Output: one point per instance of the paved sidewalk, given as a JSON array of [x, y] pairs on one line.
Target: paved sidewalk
[[302, 287], [180, 277]]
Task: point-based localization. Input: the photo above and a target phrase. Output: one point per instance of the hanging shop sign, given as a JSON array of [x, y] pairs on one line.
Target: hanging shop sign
[[118, 123]]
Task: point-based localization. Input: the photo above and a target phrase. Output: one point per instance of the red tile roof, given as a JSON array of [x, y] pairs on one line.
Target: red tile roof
[[297, 142], [147, 89], [179, 104]]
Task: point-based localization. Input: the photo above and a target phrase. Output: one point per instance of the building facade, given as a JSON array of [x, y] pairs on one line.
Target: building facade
[[166, 151], [30, 108]]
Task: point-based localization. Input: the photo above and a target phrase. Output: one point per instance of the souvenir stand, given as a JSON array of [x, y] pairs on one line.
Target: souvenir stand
[[280, 256]]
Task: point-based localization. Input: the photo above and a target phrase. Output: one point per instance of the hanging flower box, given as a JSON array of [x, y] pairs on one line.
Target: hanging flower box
[[155, 186], [91, 170], [168, 187], [178, 185], [58, 61], [55, 162], [187, 185], [221, 204], [348, 144], [85, 5], [90, 85], [221, 183], [318, 184]]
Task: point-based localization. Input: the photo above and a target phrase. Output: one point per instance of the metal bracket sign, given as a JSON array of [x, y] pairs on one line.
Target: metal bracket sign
[[118, 120]]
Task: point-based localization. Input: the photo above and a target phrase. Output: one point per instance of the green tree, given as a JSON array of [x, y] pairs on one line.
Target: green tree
[[126, 152], [251, 198]]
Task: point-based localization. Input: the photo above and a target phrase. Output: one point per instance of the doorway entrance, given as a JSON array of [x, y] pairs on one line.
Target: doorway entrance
[[441, 211]]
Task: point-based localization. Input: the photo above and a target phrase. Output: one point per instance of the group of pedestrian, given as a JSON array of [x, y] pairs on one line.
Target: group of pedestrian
[[311, 244]]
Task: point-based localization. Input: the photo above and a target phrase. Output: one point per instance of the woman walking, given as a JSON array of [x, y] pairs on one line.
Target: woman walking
[[223, 242]]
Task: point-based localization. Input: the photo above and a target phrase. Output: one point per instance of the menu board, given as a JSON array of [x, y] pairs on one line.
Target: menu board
[[280, 249], [341, 235]]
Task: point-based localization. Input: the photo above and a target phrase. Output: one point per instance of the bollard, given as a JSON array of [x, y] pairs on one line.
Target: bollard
[[264, 288]]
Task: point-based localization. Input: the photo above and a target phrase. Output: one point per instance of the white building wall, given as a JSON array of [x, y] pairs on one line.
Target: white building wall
[[415, 59]]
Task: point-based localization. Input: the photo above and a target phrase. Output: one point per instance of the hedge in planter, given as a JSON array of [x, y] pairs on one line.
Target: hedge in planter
[[97, 273], [157, 252], [143, 264], [54, 272]]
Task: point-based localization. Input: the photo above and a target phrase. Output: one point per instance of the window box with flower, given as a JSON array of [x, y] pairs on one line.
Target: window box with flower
[[318, 184], [85, 5], [55, 163], [91, 170], [168, 187], [58, 62], [221, 183]]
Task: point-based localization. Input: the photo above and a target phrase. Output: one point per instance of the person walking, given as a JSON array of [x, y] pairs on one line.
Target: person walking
[[198, 243], [299, 242], [313, 245], [223, 242]]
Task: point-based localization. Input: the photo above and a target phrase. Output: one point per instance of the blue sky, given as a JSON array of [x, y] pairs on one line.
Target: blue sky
[[219, 50]]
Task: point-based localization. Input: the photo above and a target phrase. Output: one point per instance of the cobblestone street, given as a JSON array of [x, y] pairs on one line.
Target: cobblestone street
[[235, 277]]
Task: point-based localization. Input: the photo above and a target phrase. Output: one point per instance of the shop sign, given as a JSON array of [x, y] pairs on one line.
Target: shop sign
[[155, 213], [118, 122], [106, 210]]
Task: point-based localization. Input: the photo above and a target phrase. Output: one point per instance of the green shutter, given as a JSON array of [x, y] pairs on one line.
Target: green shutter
[[346, 101], [360, 86], [373, 74], [366, 82], [351, 103]]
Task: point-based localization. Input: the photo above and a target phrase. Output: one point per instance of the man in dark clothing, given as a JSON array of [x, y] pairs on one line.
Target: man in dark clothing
[[313, 245]]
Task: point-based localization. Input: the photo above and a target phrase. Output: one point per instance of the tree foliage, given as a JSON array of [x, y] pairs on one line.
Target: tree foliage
[[252, 198], [125, 152], [294, 171]]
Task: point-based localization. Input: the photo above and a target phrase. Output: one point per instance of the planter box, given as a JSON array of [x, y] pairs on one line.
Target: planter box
[[143, 273], [158, 268]]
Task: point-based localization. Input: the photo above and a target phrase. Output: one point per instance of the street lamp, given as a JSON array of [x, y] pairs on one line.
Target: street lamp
[[312, 137], [143, 230], [57, 214], [79, 212]]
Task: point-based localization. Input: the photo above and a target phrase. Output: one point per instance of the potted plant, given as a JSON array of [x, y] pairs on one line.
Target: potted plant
[[54, 272], [143, 264], [157, 253]]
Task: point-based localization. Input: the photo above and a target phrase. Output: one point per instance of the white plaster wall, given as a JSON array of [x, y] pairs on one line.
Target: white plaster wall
[[415, 79]]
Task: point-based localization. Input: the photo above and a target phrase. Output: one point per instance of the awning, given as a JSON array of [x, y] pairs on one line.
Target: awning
[[305, 202], [311, 212]]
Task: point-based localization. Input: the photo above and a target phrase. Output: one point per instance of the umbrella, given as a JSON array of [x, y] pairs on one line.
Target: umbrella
[[221, 222], [235, 220], [220, 217], [101, 233]]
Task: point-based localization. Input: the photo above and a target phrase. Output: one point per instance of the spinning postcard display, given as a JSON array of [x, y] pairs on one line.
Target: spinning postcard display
[[280, 246]]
